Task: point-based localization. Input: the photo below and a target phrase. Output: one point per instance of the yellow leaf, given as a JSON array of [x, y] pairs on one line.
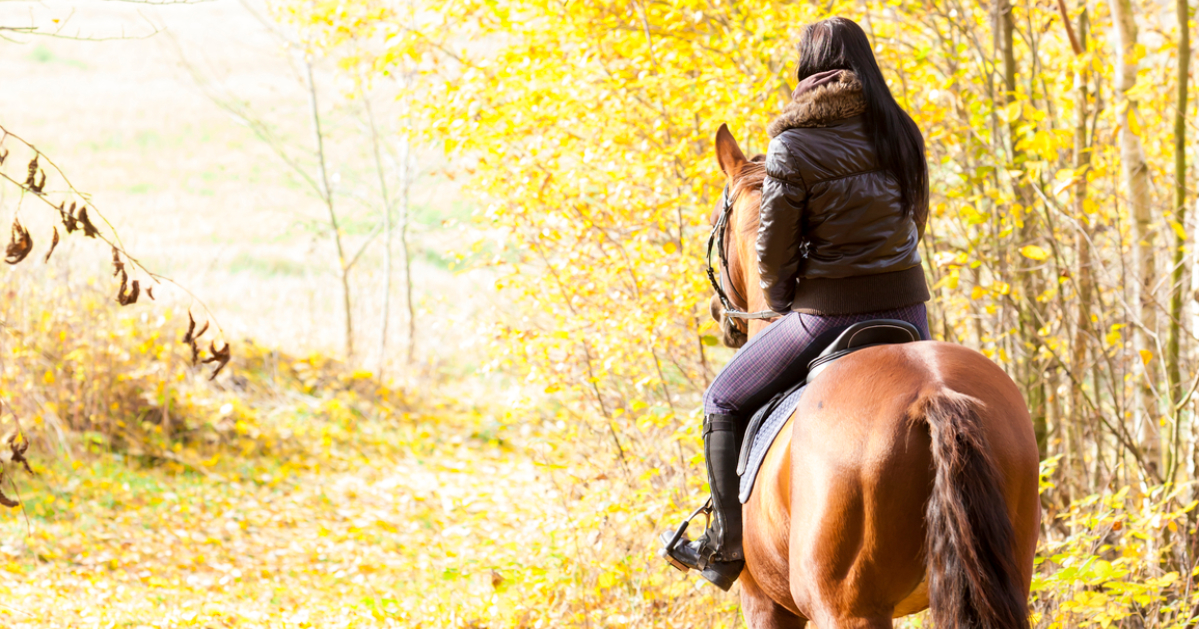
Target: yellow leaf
[[1134, 127], [977, 292], [1064, 179], [1034, 252], [1146, 355], [1179, 230], [1012, 112], [669, 247]]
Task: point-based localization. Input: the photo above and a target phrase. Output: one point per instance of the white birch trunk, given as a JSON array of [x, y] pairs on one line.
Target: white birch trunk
[[1135, 175]]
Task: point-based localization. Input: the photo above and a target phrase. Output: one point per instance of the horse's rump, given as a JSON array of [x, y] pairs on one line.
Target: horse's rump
[[878, 464]]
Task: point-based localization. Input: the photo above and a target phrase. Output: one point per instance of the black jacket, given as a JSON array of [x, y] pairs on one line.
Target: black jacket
[[833, 237]]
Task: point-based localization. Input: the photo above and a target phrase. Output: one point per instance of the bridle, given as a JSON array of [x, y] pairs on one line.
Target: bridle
[[718, 236]]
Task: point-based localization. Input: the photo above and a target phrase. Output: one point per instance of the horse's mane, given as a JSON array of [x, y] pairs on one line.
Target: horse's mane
[[750, 180]]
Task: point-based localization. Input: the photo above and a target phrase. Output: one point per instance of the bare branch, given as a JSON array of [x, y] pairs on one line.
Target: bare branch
[[47, 197]]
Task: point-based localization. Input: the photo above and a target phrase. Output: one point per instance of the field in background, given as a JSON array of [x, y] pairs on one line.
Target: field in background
[[276, 496], [198, 198]]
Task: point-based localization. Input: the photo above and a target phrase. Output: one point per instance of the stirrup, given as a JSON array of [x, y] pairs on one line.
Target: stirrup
[[671, 540]]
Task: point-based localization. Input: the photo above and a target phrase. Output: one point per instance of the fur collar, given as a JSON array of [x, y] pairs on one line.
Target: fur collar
[[821, 105]]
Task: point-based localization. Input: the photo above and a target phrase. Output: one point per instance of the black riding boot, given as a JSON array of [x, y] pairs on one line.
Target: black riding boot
[[717, 554]]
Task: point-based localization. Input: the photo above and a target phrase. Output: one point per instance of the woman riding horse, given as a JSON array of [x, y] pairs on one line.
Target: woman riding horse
[[843, 209], [906, 478]]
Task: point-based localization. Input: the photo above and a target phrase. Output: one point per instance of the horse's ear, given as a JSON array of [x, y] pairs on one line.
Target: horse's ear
[[729, 155]]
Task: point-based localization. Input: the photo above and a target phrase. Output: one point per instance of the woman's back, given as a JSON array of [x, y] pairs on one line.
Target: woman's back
[[836, 205]]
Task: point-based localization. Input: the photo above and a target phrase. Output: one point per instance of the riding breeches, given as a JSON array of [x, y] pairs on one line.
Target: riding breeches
[[778, 357]]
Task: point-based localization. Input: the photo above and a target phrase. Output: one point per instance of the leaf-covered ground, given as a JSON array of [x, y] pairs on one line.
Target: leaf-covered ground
[[351, 520], [405, 535]]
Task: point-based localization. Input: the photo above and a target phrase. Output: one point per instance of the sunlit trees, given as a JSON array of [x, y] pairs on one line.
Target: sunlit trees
[[586, 129]]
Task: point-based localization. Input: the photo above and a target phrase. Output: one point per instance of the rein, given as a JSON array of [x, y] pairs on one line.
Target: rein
[[718, 236]]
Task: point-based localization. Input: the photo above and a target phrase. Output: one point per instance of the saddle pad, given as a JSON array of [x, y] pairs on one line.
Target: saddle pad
[[778, 411]]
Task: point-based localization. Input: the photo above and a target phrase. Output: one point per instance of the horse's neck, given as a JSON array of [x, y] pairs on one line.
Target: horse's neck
[[756, 299]]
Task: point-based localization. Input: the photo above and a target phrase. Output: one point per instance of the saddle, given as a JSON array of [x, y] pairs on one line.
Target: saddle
[[767, 421]]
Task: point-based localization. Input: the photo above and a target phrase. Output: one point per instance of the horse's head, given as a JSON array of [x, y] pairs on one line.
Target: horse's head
[[739, 271]]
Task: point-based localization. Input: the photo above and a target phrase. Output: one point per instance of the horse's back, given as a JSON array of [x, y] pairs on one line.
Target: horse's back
[[860, 472]]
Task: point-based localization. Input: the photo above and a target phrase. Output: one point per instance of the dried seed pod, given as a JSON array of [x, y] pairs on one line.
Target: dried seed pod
[[190, 339], [219, 356], [18, 449], [124, 298], [118, 266], [31, 178], [21, 243], [69, 220], [187, 337], [124, 285], [5, 500], [53, 244], [150, 292], [3, 155], [32, 181], [36, 188], [89, 229]]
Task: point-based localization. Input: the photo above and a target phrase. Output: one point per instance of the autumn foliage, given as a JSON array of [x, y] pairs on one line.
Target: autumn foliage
[[583, 134], [586, 132]]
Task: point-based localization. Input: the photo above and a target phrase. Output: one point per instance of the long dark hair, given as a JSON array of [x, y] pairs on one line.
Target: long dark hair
[[839, 44]]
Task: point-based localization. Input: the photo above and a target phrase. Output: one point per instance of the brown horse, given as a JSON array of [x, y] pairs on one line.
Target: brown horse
[[909, 481]]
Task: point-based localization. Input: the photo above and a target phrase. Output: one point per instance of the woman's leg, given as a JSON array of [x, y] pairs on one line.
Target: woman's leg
[[770, 362], [765, 364], [778, 357]]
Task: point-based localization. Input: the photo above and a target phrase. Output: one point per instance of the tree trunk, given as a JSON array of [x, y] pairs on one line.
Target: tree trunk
[[405, 215], [327, 197], [386, 204], [1136, 176], [1174, 373], [1083, 270], [1028, 309]]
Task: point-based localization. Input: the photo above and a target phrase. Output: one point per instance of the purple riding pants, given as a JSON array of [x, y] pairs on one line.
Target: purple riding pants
[[778, 357]]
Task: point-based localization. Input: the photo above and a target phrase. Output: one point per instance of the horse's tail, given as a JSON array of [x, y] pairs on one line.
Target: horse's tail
[[972, 575]]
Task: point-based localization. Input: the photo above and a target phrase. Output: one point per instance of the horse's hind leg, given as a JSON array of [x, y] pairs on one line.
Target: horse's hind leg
[[761, 612]]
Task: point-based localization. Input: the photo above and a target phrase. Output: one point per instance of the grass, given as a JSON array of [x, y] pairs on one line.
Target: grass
[[267, 266], [298, 491], [414, 521], [42, 54], [328, 529]]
